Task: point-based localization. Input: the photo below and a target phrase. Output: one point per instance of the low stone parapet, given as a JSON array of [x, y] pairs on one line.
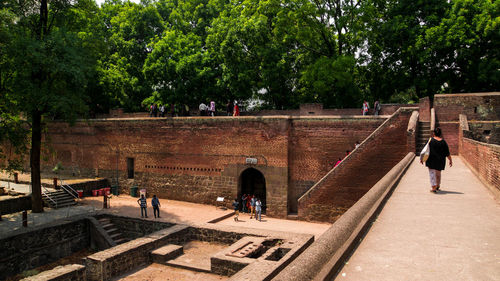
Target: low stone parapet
[[324, 257], [70, 272], [125, 257]]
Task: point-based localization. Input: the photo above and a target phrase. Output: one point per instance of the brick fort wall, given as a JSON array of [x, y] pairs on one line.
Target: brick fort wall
[[198, 159]]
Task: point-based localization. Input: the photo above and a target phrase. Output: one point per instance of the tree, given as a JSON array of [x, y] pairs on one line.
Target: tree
[[48, 69], [129, 29], [466, 47]]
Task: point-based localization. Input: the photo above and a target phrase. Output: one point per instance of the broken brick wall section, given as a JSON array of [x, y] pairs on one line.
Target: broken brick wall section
[[476, 106]]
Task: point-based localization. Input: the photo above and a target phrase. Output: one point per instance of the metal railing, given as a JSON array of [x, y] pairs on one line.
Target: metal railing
[[68, 189], [46, 193]]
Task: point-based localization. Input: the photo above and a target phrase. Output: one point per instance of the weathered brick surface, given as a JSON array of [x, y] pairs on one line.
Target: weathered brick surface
[[424, 111], [316, 145], [198, 159], [480, 106], [484, 159], [450, 135], [349, 181]]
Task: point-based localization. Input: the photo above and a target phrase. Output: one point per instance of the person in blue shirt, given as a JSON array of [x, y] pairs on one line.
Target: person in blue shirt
[[142, 202], [236, 209], [156, 206]]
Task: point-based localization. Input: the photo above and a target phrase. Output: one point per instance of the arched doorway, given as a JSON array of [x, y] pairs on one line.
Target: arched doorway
[[252, 181]]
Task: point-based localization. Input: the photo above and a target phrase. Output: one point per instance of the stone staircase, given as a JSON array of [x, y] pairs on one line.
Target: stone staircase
[[112, 231], [424, 133], [58, 199]]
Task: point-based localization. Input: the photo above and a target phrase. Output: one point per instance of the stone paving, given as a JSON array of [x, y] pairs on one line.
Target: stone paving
[[419, 235], [170, 211]]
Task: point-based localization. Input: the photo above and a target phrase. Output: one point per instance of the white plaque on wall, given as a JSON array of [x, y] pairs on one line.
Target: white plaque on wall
[[251, 161]]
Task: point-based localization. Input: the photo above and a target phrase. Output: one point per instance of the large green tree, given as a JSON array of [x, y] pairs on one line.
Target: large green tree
[[465, 47], [48, 72]]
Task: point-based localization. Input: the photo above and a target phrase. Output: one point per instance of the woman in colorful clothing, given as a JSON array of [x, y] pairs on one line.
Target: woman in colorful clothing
[[436, 162], [236, 111]]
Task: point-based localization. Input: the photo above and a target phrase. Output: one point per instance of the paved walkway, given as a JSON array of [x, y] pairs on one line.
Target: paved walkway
[[452, 235]]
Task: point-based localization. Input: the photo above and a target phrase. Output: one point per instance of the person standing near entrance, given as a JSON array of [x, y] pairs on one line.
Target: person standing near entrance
[[258, 209], [436, 162], [156, 206], [252, 205], [244, 203], [143, 204], [236, 207]]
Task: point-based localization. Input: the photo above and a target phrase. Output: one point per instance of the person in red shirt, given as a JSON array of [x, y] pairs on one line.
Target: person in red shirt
[[236, 111]]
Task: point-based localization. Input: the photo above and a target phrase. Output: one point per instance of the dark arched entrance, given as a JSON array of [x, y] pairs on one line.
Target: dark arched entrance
[[252, 181]]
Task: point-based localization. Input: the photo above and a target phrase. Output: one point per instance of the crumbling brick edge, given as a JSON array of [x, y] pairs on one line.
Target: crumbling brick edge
[[326, 256]]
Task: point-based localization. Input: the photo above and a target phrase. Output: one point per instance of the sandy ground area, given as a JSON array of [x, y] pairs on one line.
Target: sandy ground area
[[186, 212], [168, 273], [197, 254]]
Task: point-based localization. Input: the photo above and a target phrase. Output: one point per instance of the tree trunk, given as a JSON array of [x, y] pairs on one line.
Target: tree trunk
[[36, 140]]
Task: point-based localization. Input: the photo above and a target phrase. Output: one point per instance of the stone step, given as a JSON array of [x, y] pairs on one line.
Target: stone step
[[186, 266], [121, 240], [115, 236], [292, 217], [111, 230], [166, 253], [107, 225]]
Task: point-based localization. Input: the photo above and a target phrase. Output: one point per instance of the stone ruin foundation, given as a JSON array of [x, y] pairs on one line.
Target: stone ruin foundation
[[234, 252]]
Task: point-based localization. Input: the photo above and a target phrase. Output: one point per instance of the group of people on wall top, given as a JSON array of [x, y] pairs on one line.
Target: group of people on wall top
[[232, 109], [161, 111], [249, 204], [366, 107]]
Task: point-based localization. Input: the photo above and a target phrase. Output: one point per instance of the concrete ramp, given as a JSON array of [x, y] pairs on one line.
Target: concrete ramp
[[419, 235]]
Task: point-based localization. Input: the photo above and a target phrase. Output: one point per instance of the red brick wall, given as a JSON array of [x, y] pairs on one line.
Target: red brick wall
[[316, 145], [450, 135], [424, 112], [317, 109], [349, 181], [480, 106], [197, 159], [484, 160], [191, 159]]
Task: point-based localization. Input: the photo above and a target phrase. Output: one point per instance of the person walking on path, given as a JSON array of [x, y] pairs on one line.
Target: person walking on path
[[366, 107], [211, 110], [252, 206], [142, 202], [436, 162], [236, 207], [236, 111], [229, 108], [162, 110], [376, 107], [258, 209], [156, 206], [203, 109]]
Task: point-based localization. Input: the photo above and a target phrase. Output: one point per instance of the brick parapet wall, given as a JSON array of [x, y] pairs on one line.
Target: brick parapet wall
[[349, 181], [484, 161], [317, 109]]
